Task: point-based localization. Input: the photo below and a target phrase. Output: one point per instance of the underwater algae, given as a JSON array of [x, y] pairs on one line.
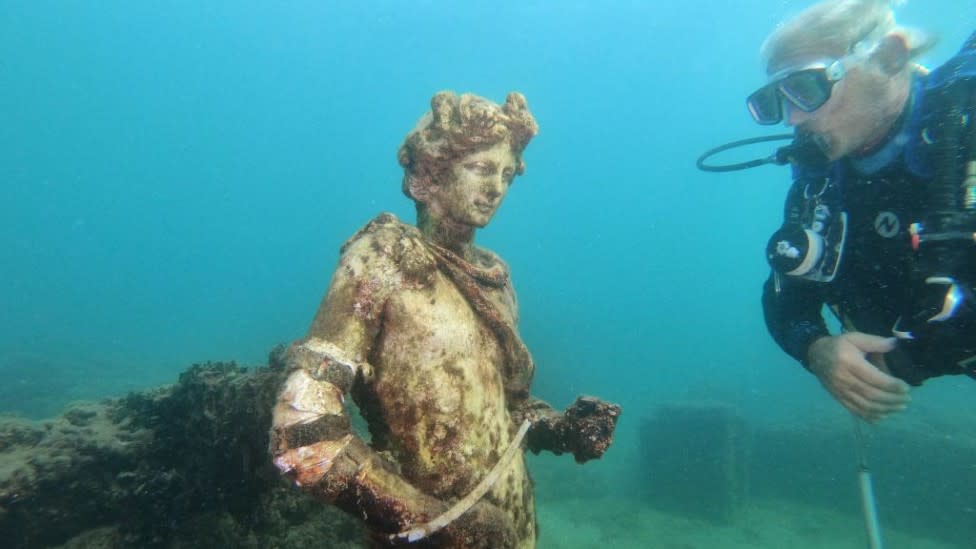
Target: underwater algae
[[182, 465]]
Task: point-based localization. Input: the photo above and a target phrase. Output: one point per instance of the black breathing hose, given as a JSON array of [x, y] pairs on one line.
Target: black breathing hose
[[776, 158]]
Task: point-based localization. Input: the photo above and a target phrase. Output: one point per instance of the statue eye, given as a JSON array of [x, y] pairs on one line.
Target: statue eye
[[508, 174], [481, 168]]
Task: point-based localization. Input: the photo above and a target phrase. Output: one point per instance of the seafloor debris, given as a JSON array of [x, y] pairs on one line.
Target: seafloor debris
[[184, 465]]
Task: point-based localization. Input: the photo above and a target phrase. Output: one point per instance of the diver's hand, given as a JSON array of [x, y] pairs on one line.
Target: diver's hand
[[865, 388]]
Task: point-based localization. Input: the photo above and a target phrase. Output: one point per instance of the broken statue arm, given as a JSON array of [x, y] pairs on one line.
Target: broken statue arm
[[311, 438], [584, 429]]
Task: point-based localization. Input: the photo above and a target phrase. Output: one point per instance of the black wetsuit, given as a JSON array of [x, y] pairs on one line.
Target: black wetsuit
[[873, 286]]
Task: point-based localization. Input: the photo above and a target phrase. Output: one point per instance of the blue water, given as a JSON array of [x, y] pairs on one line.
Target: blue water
[[176, 179]]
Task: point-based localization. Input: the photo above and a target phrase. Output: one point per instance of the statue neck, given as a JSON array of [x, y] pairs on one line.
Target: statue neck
[[446, 234]]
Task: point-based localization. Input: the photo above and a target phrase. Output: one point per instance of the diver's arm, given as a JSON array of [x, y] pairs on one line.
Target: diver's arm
[[851, 367], [842, 363], [793, 316]]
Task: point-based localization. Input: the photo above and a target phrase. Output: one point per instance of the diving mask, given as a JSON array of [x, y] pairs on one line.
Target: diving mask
[[807, 89]]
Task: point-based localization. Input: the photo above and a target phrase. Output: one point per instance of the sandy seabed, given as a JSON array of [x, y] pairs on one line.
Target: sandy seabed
[[622, 524]]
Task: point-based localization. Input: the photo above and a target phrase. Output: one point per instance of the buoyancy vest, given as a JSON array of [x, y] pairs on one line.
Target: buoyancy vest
[[897, 216]]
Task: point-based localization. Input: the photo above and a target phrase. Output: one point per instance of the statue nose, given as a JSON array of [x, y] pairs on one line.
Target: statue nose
[[493, 188]]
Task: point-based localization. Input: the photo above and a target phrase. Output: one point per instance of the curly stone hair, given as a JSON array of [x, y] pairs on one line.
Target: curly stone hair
[[457, 126]]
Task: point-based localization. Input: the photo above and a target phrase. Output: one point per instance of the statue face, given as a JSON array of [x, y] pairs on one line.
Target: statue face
[[478, 183]]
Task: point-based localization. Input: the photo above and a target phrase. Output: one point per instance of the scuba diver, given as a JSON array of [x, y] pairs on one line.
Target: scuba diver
[[880, 220]]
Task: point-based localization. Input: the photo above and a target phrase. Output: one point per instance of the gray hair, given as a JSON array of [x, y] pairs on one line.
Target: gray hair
[[834, 28]]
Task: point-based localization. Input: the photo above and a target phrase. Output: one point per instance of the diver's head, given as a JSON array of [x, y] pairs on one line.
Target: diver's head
[[840, 71]]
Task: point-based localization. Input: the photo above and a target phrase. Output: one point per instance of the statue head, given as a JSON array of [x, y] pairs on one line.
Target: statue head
[[456, 127]]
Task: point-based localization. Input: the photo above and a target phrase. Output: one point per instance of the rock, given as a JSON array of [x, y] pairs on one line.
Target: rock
[[183, 465]]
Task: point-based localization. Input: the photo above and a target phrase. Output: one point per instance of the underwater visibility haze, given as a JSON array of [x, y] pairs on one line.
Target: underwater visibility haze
[[177, 179]]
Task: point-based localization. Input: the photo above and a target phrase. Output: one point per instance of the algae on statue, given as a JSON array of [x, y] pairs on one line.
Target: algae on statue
[[420, 326]]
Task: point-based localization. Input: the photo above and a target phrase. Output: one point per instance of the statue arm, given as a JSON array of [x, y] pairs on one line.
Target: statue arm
[[584, 429], [312, 442]]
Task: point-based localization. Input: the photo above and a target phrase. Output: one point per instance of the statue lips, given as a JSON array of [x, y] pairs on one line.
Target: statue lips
[[486, 208]]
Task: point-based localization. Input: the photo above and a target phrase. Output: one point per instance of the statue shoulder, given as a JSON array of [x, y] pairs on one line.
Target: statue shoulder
[[490, 261], [388, 243]]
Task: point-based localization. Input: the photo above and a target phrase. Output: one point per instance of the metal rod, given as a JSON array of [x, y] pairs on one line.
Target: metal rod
[[868, 505]]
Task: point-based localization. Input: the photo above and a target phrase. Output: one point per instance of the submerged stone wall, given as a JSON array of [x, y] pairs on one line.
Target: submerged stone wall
[[703, 446], [185, 465]]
